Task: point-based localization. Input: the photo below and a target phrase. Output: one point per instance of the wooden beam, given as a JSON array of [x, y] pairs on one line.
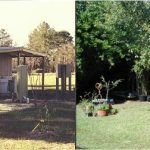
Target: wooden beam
[[43, 72]]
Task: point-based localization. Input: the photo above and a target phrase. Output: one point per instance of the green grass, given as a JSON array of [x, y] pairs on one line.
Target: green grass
[[50, 79], [129, 129], [11, 144]]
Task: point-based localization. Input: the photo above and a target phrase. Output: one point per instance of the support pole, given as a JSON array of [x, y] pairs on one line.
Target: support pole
[[43, 72], [63, 78], [24, 60], [70, 83], [18, 59], [57, 84], [57, 87]]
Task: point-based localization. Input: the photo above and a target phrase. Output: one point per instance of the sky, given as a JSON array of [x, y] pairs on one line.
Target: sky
[[20, 18]]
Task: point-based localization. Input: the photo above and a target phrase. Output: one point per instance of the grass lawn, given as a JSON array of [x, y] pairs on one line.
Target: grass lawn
[[50, 79], [129, 129], [11, 144], [18, 120]]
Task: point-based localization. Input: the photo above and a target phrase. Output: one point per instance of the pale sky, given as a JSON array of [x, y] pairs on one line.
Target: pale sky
[[19, 18]]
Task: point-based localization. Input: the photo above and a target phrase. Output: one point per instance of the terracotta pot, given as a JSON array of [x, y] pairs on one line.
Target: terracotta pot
[[102, 113]]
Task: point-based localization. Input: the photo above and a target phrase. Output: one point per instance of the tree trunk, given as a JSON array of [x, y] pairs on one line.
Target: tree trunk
[[145, 83]]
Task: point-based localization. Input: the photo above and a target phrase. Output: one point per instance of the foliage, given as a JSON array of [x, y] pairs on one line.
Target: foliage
[[109, 85], [103, 106], [5, 40], [107, 107], [65, 55], [86, 103], [142, 69], [86, 96], [143, 63], [46, 40], [107, 34], [89, 108], [113, 111]]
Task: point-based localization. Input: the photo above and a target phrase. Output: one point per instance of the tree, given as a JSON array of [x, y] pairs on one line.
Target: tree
[[46, 40], [66, 55], [5, 40], [140, 45], [109, 34], [93, 45]]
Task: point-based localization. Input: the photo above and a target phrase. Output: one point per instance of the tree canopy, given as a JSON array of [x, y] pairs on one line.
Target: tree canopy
[[5, 40], [46, 40], [109, 33]]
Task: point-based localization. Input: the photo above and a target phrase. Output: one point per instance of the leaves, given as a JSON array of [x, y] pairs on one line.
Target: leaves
[[5, 40], [57, 45]]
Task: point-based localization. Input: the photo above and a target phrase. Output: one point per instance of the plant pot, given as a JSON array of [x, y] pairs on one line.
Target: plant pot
[[142, 97], [102, 113], [148, 98]]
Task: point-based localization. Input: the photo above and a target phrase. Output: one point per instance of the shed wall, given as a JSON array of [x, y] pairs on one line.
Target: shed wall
[[5, 65]]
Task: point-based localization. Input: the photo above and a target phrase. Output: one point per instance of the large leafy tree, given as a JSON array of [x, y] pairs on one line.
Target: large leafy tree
[[139, 41], [5, 40], [94, 51], [109, 35], [46, 40]]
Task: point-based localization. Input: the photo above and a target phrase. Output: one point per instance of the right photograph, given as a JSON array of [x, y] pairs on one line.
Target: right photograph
[[113, 75]]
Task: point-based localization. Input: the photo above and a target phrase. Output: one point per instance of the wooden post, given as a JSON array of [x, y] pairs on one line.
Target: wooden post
[[57, 84], [70, 83], [18, 59], [22, 82], [43, 72], [57, 87], [63, 78], [24, 60]]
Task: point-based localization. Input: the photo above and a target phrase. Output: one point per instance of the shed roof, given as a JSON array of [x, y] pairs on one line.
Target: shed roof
[[22, 51]]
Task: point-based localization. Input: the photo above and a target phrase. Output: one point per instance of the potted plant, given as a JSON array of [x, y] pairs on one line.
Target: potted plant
[[89, 108], [87, 105], [103, 109]]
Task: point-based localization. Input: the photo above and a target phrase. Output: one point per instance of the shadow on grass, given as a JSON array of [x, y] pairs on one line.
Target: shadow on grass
[[19, 123], [51, 94], [78, 147], [48, 94]]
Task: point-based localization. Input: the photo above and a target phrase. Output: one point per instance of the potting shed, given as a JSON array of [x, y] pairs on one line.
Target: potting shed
[[6, 55]]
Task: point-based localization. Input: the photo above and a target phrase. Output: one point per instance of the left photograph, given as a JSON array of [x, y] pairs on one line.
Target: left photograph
[[37, 75]]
